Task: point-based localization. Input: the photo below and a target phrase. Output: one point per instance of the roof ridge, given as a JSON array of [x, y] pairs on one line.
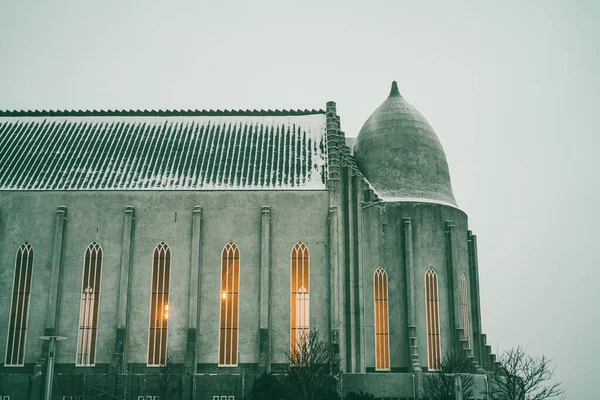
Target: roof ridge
[[154, 113]]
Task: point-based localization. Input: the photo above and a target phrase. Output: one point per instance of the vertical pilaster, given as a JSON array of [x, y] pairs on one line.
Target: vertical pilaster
[[193, 309], [483, 348], [410, 295], [56, 278], [334, 303], [265, 290], [453, 298], [126, 250], [338, 201], [351, 266], [475, 300], [337, 287], [358, 184], [124, 286]]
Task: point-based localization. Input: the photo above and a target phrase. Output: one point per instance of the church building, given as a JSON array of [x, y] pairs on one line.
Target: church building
[[146, 250]]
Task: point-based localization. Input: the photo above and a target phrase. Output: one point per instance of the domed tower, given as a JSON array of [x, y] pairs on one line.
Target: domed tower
[[419, 264], [401, 156]]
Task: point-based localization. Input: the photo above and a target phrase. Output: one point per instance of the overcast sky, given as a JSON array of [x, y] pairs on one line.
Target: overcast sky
[[512, 89]]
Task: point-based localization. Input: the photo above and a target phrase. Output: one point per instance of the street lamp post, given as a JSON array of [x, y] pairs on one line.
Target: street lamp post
[[50, 368]]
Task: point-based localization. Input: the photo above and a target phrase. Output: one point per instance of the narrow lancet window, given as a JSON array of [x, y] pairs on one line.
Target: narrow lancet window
[[300, 300], [159, 305], [90, 304], [19, 308], [382, 338], [230, 285], [464, 305], [433, 320]]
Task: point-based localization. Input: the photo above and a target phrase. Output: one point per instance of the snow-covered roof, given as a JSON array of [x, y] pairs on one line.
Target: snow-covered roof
[[170, 150]]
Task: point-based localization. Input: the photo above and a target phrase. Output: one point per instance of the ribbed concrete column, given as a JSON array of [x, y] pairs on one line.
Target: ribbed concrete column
[[453, 298], [265, 290], [358, 186], [124, 285], [484, 355], [413, 348], [193, 309], [337, 288], [56, 278], [351, 268], [126, 251], [333, 277], [474, 298]]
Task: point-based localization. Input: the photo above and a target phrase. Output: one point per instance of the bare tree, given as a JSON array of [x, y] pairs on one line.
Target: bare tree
[[441, 384], [169, 380], [313, 369], [312, 373], [71, 385], [519, 376]]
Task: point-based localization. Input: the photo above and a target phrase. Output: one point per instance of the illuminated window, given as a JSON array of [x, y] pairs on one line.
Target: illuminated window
[[90, 304], [433, 319], [19, 308], [230, 285], [464, 305], [382, 341], [159, 305], [300, 301]]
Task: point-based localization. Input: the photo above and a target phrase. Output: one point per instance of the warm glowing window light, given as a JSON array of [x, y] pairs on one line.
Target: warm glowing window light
[[433, 320], [300, 295], [159, 305], [464, 305], [229, 319], [382, 341]]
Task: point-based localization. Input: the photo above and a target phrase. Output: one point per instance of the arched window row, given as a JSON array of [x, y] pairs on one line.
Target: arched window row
[[90, 305], [300, 296], [382, 338], [19, 307], [434, 353]]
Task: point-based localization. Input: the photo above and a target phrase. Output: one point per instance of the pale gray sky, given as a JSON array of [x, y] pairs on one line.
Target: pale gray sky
[[511, 88]]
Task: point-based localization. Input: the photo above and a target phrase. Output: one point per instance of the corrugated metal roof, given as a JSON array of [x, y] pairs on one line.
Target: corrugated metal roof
[[186, 151]]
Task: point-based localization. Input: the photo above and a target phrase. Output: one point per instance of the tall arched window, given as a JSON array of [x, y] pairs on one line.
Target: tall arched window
[[433, 320], [230, 285], [19, 308], [90, 304], [159, 305], [464, 305], [382, 338], [300, 300]]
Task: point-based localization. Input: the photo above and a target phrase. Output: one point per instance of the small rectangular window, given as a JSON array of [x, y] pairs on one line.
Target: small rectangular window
[[215, 397], [231, 398]]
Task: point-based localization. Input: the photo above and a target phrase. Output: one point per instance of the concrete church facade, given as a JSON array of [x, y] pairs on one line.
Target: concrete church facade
[[210, 240]]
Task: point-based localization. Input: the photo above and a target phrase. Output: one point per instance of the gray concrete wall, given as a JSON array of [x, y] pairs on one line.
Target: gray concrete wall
[[384, 385], [384, 246], [164, 216]]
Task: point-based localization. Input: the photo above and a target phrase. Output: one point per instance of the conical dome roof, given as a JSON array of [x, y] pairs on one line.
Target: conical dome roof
[[401, 156]]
